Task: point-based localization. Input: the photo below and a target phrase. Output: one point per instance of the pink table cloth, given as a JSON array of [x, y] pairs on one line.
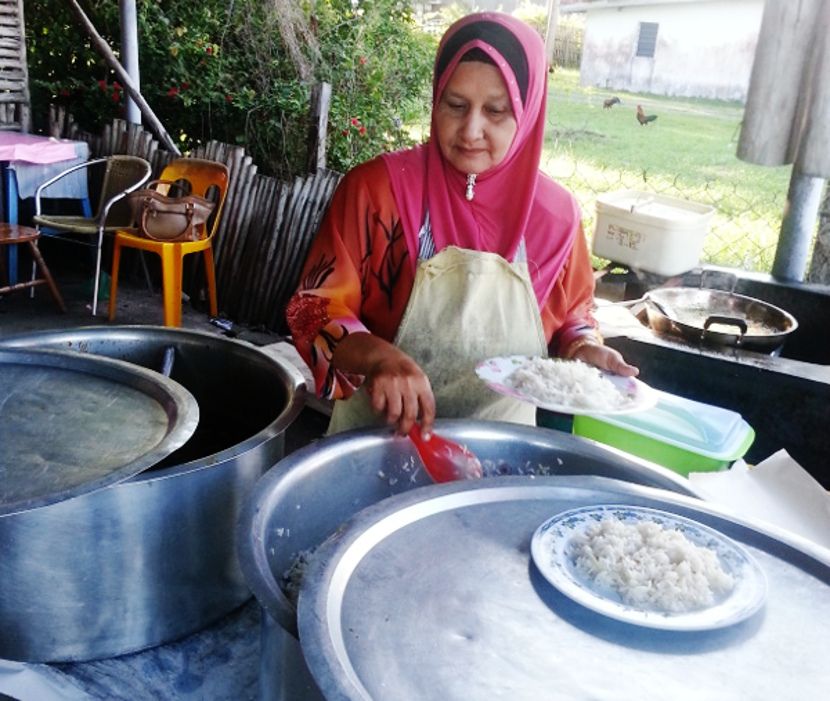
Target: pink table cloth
[[32, 148]]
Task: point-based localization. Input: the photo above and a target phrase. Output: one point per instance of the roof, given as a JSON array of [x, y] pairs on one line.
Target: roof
[[569, 6]]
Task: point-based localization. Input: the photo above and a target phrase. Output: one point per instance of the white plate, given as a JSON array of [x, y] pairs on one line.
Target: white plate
[[496, 371], [551, 550]]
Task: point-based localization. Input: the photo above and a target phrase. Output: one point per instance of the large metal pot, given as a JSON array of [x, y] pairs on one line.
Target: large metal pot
[[718, 318], [310, 493], [153, 558]]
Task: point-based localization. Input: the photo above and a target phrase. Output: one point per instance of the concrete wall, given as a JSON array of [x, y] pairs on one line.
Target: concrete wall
[[704, 49]]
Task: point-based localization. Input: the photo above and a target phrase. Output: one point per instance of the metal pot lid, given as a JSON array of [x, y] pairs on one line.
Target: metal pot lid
[[72, 423], [433, 595]]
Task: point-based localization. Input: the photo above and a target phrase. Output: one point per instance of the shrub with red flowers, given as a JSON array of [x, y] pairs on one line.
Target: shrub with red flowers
[[242, 72]]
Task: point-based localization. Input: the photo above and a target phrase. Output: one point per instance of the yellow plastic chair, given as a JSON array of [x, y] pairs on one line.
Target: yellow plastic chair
[[207, 179]]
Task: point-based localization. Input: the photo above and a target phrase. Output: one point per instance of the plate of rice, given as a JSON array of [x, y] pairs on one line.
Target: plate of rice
[[565, 386], [649, 567]]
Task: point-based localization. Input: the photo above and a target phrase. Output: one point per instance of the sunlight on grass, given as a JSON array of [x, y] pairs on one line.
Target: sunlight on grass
[[687, 152]]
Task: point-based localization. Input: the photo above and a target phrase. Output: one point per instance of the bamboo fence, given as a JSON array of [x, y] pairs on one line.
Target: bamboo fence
[[266, 228]]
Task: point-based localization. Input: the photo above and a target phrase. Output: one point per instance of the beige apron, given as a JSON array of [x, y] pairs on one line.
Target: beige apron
[[465, 306]]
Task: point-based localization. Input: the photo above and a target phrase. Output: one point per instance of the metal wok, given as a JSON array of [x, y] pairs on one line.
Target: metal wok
[[718, 318]]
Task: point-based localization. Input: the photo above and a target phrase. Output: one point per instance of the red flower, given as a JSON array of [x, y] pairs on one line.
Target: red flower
[[362, 131], [355, 122], [362, 60], [173, 92], [185, 85], [228, 98], [345, 132], [116, 85], [116, 96], [102, 84], [209, 50]]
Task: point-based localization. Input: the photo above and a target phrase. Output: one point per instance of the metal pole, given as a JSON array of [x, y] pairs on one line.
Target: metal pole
[[129, 53], [797, 227]]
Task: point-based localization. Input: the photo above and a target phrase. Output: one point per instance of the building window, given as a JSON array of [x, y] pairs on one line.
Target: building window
[[647, 41]]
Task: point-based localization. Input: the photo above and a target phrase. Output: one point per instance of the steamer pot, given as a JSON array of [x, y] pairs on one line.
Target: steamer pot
[[151, 559], [310, 493]]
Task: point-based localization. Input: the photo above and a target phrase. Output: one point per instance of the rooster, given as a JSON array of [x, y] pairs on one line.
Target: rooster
[[644, 118], [610, 102]]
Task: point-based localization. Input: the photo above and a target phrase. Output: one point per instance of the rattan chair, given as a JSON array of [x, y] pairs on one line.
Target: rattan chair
[[122, 175]]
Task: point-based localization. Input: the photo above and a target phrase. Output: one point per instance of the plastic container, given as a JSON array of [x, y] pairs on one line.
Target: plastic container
[[655, 233], [678, 433]]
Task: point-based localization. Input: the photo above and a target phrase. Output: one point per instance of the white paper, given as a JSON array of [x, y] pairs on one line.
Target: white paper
[[37, 683], [777, 491]]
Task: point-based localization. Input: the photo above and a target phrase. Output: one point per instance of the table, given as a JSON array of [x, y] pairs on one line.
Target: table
[[27, 160]]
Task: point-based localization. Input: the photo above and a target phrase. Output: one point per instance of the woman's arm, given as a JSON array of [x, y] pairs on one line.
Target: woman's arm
[[395, 383]]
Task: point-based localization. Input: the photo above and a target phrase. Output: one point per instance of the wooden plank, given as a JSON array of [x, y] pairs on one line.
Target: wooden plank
[[269, 270], [286, 274], [235, 233], [238, 166], [318, 124], [266, 204], [285, 242], [250, 243], [235, 254]]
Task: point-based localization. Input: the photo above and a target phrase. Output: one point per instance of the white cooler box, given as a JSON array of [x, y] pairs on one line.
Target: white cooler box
[[655, 233]]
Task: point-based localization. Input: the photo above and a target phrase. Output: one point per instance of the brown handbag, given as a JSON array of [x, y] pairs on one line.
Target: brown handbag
[[170, 219]]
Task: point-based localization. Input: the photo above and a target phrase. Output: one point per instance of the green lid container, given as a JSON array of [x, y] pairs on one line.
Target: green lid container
[[678, 433]]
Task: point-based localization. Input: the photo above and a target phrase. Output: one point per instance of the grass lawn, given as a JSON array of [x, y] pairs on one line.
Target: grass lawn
[[687, 152]]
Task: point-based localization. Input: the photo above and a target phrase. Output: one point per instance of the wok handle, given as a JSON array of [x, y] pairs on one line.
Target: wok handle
[[726, 321]]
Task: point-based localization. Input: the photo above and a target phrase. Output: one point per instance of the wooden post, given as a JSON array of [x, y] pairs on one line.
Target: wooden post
[[104, 49], [550, 31], [319, 111]]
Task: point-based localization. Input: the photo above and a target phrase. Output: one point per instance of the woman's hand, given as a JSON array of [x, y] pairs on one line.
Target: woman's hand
[[605, 358], [397, 386]]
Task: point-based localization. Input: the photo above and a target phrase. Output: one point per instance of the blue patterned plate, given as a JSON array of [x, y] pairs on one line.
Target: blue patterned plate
[[552, 550]]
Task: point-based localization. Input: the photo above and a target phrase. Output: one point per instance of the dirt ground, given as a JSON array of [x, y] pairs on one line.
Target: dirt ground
[[73, 270]]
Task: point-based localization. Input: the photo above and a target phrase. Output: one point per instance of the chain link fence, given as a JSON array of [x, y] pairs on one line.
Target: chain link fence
[[743, 232]]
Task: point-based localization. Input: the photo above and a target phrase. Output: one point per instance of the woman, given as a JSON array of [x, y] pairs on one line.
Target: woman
[[436, 257]]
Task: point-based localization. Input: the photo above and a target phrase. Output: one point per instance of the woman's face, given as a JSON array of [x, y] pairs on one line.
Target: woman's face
[[474, 118]]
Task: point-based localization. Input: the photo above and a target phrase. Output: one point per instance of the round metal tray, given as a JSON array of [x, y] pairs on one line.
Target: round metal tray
[[71, 424], [433, 595]]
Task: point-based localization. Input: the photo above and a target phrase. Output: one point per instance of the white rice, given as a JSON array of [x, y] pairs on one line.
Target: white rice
[[651, 567], [566, 382]]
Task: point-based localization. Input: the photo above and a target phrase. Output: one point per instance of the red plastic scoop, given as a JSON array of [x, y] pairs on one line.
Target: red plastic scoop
[[443, 459]]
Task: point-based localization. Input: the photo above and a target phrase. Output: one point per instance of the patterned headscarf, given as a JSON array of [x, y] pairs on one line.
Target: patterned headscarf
[[513, 201]]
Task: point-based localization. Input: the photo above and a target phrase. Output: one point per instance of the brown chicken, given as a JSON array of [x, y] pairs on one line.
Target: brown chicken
[[610, 102], [644, 118]]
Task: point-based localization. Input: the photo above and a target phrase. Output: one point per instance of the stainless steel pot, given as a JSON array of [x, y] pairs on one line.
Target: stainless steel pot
[[153, 558], [310, 493], [718, 318]]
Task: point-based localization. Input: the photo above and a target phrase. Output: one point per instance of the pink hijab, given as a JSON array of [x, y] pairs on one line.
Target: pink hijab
[[513, 200]]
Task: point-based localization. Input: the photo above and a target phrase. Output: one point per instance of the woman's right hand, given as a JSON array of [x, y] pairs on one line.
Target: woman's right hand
[[397, 386]]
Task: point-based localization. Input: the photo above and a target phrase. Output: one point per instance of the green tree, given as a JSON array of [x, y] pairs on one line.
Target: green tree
[[241, 71]]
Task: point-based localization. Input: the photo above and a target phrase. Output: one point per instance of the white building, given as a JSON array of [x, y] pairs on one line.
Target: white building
[[686, 48]]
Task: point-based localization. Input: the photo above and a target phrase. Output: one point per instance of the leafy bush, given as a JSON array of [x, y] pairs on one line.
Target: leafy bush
[[241, 71]]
